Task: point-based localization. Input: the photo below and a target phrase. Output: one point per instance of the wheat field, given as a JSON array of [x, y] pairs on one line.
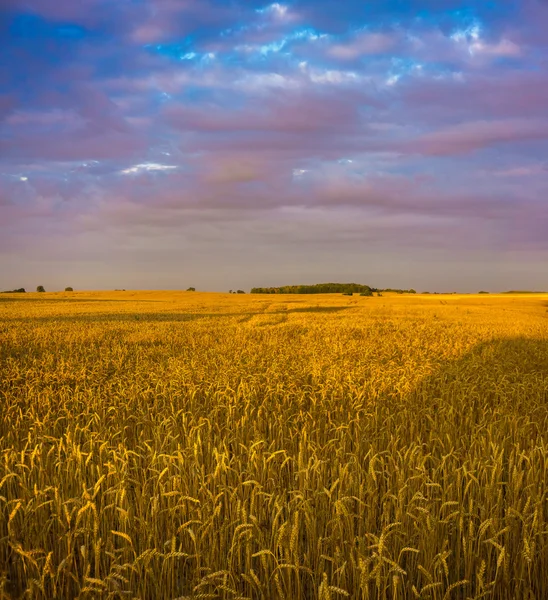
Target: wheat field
[[184, 445]]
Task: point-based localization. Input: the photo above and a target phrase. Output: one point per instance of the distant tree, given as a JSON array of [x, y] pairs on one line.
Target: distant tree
[[379, 294], [318, 288], [367, 293], [240, 292], [191, 289], [69, 289], [230, 291], [40, 288], [396, 291], [482, 292]]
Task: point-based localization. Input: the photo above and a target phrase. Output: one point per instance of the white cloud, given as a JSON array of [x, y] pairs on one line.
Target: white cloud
[[401, 68], [332, 76], [146, 167], [268, 80], [276, 9], [275, 46], [503, 48], [272, 47], [471, 40], [208, 56], [465, 35]]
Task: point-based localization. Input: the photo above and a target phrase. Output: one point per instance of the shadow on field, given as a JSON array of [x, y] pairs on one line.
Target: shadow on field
[[153, 317], [496, 381], [510, 359], [471, 435], [314, 309], [53, 300]]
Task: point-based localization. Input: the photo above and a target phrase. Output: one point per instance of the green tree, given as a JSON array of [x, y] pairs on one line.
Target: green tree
[[40, 288], [318, 288], [69, 289], [191, 289]]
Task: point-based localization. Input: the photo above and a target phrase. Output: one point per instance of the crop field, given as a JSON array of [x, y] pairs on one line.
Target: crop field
[[178, 445]]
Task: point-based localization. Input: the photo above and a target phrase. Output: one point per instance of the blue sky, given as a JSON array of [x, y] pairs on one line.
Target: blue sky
[[224, 144]]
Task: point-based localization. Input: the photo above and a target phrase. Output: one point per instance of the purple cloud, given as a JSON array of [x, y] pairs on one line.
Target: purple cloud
[[468, 137], [363, 44], [229, 126]]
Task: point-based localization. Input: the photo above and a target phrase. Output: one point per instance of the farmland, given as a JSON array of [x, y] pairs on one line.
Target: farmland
[[192, 445]]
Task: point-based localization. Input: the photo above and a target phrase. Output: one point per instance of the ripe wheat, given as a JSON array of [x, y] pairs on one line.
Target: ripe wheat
[[172, 445]]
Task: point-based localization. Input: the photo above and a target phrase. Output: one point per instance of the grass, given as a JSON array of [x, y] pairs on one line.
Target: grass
[[175, 445]]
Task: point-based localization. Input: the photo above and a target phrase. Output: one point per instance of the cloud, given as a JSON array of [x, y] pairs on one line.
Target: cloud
[[503, 48], [61, 10], [293, 113], [146, 167], [522, 171], [364, 44], [404, 124], [231, 169], [492, 94], [91, 128], [472, 136]]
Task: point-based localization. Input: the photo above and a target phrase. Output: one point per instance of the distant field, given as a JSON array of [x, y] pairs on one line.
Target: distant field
[[189, 445]]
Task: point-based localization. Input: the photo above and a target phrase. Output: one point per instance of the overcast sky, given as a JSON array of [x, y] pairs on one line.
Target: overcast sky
[[219, 144]]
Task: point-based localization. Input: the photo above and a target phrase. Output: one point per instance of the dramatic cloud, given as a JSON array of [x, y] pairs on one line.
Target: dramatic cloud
[[256, 143]]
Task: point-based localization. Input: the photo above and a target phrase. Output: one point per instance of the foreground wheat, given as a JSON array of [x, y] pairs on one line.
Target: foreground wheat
[[207, 446]]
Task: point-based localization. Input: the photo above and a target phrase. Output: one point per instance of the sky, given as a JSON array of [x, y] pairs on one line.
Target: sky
[[224, 144]]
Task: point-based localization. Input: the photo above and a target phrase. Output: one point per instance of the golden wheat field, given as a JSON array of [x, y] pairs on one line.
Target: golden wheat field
[[186, 445]]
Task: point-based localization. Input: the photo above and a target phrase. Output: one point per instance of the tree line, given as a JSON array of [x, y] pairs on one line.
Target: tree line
[[40, 289], [326, 288]]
